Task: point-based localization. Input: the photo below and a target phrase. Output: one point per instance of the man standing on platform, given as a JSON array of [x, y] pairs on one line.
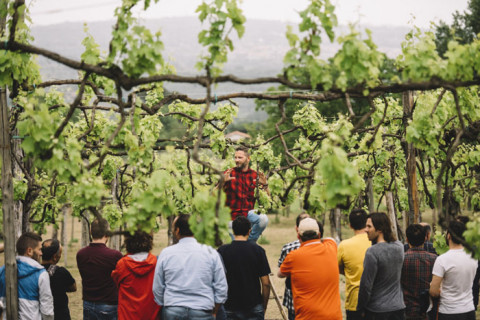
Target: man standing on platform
[[351, 253], [240, 184], [95, 264]]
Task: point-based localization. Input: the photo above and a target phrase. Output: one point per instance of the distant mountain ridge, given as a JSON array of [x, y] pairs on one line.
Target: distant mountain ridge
[[258, 53]]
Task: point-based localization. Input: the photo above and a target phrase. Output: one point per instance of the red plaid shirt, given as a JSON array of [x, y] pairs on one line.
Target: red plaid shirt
[[241, 191], [416, 277]]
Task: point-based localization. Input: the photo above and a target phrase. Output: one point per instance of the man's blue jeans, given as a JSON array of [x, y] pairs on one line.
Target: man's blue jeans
[[99, 311], [256, 313], [259, 223], [184, 313]]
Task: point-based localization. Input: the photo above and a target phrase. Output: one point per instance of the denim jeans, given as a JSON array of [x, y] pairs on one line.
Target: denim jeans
[[256, 313], [259, 223], [184, 313], [99, 311]]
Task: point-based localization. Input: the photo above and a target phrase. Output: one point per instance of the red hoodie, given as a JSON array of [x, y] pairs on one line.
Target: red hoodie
[[134, 280]]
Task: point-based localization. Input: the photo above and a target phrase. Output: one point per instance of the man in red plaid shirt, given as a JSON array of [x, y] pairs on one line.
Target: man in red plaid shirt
[[239, 186]]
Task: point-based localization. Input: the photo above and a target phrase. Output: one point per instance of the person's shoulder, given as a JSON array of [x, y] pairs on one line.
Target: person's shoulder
[[256, 246], [330, 242], [82, 251], [291, 245], [113, 253], [224, 247], [430, 256]]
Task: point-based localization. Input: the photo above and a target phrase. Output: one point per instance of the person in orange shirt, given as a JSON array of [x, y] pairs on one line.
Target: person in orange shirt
[[134, 279], [315, 276]]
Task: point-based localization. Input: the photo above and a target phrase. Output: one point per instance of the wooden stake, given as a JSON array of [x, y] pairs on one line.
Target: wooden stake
[[391, 212], [8, 212], [277, 299]]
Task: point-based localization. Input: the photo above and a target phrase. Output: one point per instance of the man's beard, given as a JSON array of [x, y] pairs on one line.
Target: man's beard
[[243, 165], [374, 240], [36, 257]]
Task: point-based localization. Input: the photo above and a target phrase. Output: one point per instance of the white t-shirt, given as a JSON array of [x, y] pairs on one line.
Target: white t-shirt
[[457, 268]]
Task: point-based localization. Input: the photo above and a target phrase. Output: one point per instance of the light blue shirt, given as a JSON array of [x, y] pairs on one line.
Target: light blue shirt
[[189, 274]]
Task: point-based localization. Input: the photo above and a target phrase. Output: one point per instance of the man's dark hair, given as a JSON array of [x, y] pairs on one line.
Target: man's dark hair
[[27, 240], [382, 223], [182, 224], [300, 217], [463, 219], [310, 235], [99, 228], [241, 226], [456, 230], [50, 247], [244, 149], [357, 219], [140, 241], [416, 234], [427, 228]]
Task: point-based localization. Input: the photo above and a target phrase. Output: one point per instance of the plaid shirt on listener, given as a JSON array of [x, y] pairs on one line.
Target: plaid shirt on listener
[[416, 277], [287, 297], [241, 191]]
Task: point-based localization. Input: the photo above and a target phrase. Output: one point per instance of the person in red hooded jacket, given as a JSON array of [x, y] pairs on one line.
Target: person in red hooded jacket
[[134, 278]]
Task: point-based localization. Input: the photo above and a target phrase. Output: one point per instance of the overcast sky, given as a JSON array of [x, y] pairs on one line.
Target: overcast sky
[[366, 12]]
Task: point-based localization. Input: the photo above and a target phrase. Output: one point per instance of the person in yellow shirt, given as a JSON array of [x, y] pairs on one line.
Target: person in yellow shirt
[[350, 255]]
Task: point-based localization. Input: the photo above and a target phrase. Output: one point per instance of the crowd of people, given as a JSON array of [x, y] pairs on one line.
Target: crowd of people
[[384, 279]]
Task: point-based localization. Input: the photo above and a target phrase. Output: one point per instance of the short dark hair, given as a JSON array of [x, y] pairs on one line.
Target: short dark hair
[[183, 226], [300, 217], [427, 227], [310, 235], [416, 234], [99, 228], [463, 219], [382, 223], [456, 230], [244, 149], [241, 225], [27, 240], [357, 219], [50, 247], [140, 241]]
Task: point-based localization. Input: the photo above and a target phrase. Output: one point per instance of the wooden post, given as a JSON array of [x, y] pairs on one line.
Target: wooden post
[[335, 224], [85, 231], [411, 163], [8, 212], [20, 225], [65, 210], [116, 240], [371, 200], [391, 211], [277, 299], [170, 220]]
